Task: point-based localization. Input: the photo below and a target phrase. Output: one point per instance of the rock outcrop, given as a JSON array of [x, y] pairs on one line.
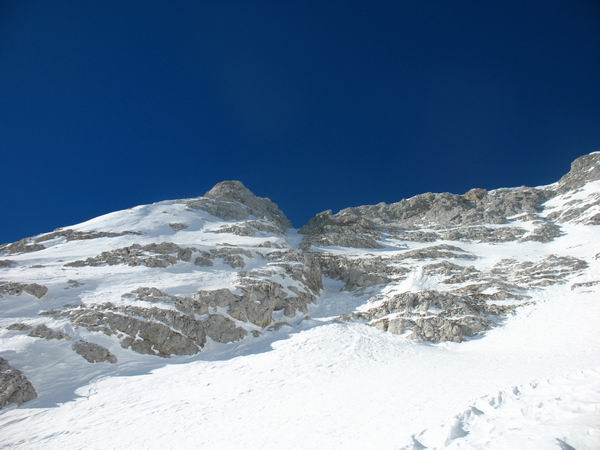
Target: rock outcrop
[[433, 316], [434, 267], [93, 353], [584, 169], [153, 330], [34, 244], [14, 288], [231, 200], [15, 388]]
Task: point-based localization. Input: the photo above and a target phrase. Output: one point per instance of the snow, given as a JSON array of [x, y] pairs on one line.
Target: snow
[[320, 383], [323, 385], [561, 412]]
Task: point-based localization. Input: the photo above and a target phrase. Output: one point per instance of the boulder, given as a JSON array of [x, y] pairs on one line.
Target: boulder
[[93, 353], [15, 388]]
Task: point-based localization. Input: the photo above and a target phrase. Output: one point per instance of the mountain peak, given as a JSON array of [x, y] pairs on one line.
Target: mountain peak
[[233, 190], [584, 169]]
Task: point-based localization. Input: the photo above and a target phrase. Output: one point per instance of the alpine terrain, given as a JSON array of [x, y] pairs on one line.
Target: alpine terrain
[[441, 321]]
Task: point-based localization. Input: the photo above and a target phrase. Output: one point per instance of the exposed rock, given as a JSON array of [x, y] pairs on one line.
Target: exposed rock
[[360, 272], [15, 388], [476, 207], [231, 200], [34, 244], [162, 255], [74, 235], [72, 284], [180, 325], [346, 230], [13, 288], [5, 263], [22, 246], [44, 332], [439, 329], [487, 288], [546, 232], [153, 331], [178, 226], [19, 327], [454, 273], [436, 252], [585, 284], [204, 260], [584, 169], [271, 244], [249, 228], [232, 255], [594, 220], [93, 353], [433, 316], [370, 248], [483, 234], [550, 270]]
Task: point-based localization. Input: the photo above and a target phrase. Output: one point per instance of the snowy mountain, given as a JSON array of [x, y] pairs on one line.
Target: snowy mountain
[[439, 321]]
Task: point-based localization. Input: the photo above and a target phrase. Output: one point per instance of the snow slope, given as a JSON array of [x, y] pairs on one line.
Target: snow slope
[[338, 385], [311, 380]]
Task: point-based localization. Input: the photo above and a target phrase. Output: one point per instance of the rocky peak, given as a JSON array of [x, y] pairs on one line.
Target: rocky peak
[[584, 169], [231, 190], [231, 200]]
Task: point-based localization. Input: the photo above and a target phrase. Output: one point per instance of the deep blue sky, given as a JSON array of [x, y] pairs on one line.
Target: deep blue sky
[[318, 105]]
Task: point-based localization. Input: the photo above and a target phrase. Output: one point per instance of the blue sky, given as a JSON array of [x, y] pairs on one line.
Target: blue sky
[[105, 105]]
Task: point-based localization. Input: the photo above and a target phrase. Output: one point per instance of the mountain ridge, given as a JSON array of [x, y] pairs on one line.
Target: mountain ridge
[[166, 283]]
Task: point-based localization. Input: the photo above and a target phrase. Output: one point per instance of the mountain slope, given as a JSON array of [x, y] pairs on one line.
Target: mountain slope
[[179, 322]]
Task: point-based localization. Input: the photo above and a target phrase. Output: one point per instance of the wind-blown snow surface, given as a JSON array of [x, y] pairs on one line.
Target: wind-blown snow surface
[[336, 385], [532, 383]]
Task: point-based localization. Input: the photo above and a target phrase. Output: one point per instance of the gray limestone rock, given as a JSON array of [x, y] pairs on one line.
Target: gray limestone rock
[[433, 316], [152, 330], [483, 234], [346, 230], [74, 235], [454, 273], [360, 272], [34, 244], [22, 246], [440, 251], [584, 169], [250, 228], [550, 270], [546, 232], [73, 284], [13, 288], [204, 260], [15, 388], [44, 332], [231, 200], [585, 284], [155, 255], [93, 353], [19, 327], [233, 256], [176, 226]]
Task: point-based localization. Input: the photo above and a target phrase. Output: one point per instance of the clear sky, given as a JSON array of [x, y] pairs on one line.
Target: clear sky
[[318, 105]]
